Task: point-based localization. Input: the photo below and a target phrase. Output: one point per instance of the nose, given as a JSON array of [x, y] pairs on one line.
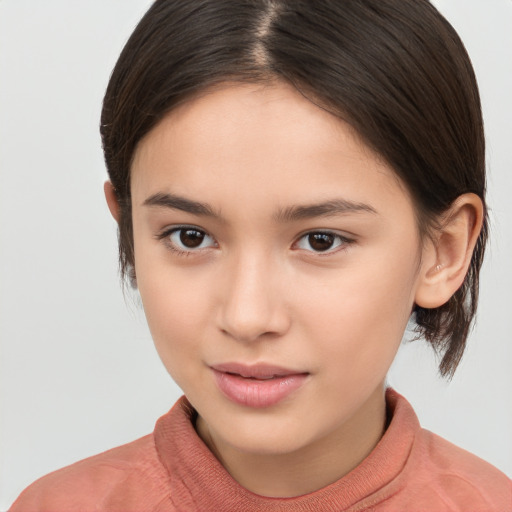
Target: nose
[[252, 305]]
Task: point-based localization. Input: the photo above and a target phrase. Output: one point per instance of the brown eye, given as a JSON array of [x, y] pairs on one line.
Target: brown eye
[[191, 238], [320, 241], [187, 239]]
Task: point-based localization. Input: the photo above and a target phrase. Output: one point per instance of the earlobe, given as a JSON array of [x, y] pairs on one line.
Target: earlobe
[[112, 202], [446, 261]]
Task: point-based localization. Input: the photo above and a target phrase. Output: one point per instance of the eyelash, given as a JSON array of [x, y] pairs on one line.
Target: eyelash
[[166, 234], [343, 241]]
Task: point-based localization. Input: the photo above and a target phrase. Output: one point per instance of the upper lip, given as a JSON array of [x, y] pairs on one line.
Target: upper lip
[[257, 371]]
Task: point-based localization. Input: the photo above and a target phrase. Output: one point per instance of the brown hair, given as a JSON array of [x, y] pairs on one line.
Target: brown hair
[[395, 70]]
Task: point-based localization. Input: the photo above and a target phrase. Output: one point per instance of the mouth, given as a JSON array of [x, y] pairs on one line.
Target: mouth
[[259, 385]]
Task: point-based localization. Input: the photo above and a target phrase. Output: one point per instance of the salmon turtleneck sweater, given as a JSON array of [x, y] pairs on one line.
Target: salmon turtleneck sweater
[[171, 470]]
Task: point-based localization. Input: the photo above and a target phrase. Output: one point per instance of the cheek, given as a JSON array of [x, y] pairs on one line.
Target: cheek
[[176, 307], [176, 316], [359, 314]]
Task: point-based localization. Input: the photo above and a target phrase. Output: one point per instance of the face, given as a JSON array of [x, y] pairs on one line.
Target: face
[[277, 261]]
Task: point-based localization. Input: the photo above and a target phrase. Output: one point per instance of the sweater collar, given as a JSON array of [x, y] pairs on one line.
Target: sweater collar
[[199, 482]]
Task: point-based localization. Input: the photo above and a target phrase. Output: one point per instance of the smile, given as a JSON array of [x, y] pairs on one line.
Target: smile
[[257, 386]]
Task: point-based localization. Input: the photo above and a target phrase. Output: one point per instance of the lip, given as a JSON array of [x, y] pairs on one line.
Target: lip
[[259, 385]]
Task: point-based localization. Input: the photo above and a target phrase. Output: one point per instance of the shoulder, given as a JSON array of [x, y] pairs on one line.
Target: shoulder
[[458, 477], [126, 478]]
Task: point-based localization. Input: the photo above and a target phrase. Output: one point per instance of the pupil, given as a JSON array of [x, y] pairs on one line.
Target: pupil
[[191, 238], [321, 241]]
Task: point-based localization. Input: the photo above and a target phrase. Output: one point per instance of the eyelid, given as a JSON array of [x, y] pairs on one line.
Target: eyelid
[[345, 241], [164, 235]]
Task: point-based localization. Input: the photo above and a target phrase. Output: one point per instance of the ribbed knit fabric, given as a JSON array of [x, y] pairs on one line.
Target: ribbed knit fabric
[[171, 470]]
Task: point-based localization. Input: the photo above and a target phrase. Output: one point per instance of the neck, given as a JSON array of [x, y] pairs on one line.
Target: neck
[[311, 467]]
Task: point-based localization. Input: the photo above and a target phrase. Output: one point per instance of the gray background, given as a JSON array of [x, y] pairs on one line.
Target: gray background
[[78, 370]]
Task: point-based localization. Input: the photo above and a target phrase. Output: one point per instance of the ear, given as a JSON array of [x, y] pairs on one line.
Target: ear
[[446, 260], [110, 196]]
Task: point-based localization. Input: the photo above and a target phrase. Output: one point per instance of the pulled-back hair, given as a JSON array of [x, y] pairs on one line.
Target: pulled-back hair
[[395, 70]]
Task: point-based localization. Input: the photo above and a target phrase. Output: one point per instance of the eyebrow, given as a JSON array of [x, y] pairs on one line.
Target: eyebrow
[[290, 214], [324, 209], [175, 202]]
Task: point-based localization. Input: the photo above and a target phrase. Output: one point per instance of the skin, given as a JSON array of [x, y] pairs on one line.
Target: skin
[[257, 291]]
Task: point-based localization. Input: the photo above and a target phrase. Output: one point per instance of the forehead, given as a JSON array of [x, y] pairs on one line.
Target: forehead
[[266, 141]]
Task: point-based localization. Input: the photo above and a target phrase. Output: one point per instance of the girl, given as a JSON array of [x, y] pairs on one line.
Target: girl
[[293, 182]]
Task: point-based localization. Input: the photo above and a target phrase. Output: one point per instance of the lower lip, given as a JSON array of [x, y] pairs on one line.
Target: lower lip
[[258, 393]]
